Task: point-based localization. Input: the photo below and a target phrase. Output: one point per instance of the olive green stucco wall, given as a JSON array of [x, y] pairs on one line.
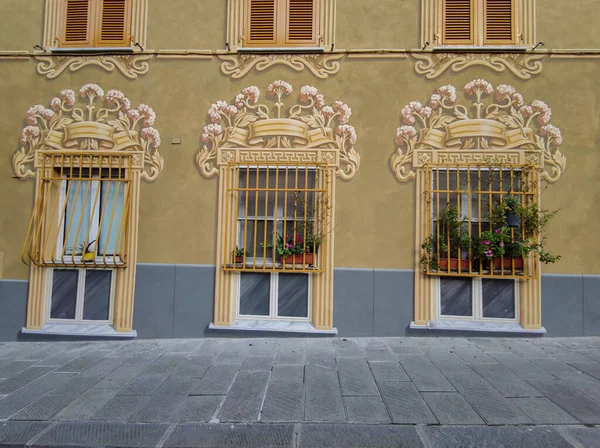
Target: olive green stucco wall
[[374, 212]]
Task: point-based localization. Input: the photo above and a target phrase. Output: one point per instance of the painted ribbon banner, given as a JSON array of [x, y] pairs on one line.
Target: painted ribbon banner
[[497, 132], [103, 133], [299, 132]]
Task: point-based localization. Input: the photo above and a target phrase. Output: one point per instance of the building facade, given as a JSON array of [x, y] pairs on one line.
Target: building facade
[[211, 168]]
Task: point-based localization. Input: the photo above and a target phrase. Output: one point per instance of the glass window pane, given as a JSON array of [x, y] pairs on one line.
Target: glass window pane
[[111, 234], [255, 292], [77, 218], [456, 297], [96, 301], [498, 298], [248, 242], [292, 300], [64, 293]]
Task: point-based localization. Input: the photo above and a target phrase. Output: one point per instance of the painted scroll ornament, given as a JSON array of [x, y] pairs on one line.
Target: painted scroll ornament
[[310, 131], [105, 122], [321, 65], [504, 123], [131, 66]]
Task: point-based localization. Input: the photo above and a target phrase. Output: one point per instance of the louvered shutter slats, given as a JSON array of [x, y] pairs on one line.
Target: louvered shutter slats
[[301, 21], [458, 21], [113, 21], [77, 19], [262, 21], [499, 21]]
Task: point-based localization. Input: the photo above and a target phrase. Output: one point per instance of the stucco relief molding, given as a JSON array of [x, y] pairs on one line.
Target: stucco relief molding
[[131, 65], [250, 131], [433, 65], [501, 130], [322, 65], [105, 122]]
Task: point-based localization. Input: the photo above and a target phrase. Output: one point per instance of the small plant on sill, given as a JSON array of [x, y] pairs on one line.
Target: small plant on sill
[[239, 254]]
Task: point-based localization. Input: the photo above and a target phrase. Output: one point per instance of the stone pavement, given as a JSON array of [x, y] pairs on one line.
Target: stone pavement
[[354, 392]]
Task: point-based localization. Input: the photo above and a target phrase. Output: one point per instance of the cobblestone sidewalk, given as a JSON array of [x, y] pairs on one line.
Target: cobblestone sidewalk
[[355, 392]]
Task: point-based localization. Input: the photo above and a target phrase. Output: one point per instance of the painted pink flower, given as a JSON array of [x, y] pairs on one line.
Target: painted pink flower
[[426, 112], [327, 111], [435, 102], [116, 98], [33, 113], [448, 92], [552, 133], [545, 113], [211, 130], [55, 104], [319, 100], [307, 92], [348, 131], [152, 135], [68, 97], [504, 91], [518, 100], [480, 85], [526, 111], [407, 115], [279, 85], [148, 113], [405, 133], [133, 114], [29, 131]]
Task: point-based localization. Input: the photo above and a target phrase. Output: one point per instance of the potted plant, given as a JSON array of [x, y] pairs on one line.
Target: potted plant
[[535, 221], [294, 250], [493, 245], [239, 254], [511, 207], [451, 246]]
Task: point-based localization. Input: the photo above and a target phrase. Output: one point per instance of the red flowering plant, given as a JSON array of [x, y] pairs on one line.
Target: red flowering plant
[[292, 245], [493, 243]]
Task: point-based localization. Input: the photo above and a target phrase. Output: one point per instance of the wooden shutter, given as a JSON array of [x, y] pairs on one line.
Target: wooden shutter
[[114, 23], [458, 22], [301, 22], [499, 22], [77, 20], [261, 23]]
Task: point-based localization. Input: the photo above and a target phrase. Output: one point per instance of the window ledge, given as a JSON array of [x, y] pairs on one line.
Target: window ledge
[[464, 325], [273, 325], [282, 50], [93, 50], [483, 48], [79, 329]]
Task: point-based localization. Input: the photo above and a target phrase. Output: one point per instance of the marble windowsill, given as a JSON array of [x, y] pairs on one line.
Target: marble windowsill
[[77, 329], [463, 325], [273, 325]]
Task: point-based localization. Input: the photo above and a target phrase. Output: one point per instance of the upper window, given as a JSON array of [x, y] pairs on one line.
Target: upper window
[[96, 23], [283, 23], [479, 22]]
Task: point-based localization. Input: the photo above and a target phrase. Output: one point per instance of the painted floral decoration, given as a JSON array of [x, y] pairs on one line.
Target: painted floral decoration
[[519, 126], [324, 125], [112, 108]]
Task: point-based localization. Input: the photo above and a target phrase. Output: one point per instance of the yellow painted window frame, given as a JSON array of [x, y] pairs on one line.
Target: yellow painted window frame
[[54, 23]]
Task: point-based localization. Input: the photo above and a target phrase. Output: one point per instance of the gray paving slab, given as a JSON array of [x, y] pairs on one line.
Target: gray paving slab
[[591, 368], [82, 362], [355, 377], [451, 409], [245, 397], [358, 436], [323, 395], [102, 367], [505, 381], [493, 437], [379, 354], [388, 371], [14, 367], [167, 363], [472, 354], [144, 384], [102, 434], [19, 433], [322, 358], [217, 380], [60, 359], [257, 364], [524, 349], [209, 347], [119, 408], [284, 402], [594, 355], [16, 401], [404, 346], [290, 353], [120, 376], [543, 412], [23, 378], [553, 366], [287, 373], [158, 408], [489, 345], [424, 375], [193, 366], [582, 437], [489, 403], [590, 386], [405, 403], [177, 385], [346, 348], [559, 352], [366, 410], [86, 405], [184, 346], [521, 366], [217, 436], [57, 399], [198, 408], [570, 399]]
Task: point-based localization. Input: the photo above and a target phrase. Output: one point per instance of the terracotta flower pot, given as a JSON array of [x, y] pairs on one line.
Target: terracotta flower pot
[[239, 259], [464, 264], [507, 263], [300, 259]]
